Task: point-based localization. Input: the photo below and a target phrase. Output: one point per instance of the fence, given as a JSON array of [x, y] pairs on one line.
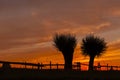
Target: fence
[[40, 66]]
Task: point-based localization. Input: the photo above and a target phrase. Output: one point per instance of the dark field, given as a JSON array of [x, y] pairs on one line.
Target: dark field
[[29, 74]]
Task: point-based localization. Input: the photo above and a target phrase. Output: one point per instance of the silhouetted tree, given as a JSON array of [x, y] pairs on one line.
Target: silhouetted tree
[[92, 46], [66, 43]]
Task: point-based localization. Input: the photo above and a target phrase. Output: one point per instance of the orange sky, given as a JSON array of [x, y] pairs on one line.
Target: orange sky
[[27, 28]]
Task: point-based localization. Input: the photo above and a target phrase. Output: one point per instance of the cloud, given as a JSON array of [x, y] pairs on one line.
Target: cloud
[[115, 45], [28, 52], [102, 26], [27, 48], [27, 25]]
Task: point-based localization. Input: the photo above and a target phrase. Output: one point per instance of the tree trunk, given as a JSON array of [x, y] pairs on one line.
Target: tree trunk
[[91, 63], [68, 61]]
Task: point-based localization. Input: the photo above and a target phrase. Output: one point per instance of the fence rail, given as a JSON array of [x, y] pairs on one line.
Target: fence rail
[[40, 66]]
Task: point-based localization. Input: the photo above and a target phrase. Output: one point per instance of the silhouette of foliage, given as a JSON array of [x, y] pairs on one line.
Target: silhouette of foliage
[[66, 43], [93, 46]]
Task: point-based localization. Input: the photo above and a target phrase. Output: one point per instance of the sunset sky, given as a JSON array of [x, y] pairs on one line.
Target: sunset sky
[[28, 26]]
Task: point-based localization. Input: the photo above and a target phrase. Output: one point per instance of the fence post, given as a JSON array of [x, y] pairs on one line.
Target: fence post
[[6, 66], [107, 67], [111, 68], [25, 65], [41, 66], [57, 66], [50, 65], [38, 66], [99, 66], [78, 66]]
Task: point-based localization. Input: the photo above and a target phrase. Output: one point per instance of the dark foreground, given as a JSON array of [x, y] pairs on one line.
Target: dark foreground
[[27, 74]]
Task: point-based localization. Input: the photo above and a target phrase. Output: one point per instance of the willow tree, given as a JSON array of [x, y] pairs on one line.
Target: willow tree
[[66, 43], [93, 46]]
